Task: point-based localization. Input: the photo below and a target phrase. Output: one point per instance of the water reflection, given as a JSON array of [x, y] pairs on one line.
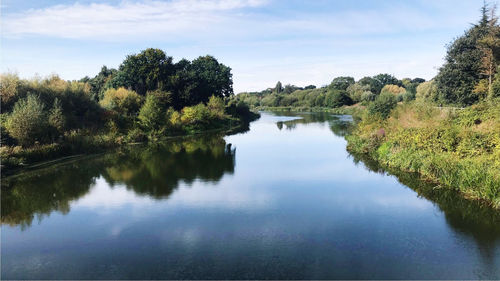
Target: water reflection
[[154, 170], [466, 217], [340, 125]]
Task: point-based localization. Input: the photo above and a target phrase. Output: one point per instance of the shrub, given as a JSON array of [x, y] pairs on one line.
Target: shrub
[[393, 89], [121, 100], [383, 105], [338, 99], [194, 114], [427, 91], [151, 114], [368, 96], [215, 107], [28, 121]]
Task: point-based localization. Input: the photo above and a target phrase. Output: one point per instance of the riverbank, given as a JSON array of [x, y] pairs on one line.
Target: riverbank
[[344, 110], [457, 149], [86, 142]]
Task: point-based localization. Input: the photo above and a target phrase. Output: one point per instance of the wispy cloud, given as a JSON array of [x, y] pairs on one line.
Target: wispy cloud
[[295, 41], [126, 19]]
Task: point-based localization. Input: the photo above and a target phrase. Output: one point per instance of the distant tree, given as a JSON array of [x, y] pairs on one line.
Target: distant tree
[[374, 85], [98, 84], [337, 98], [393, 89], [387, 79], [356, 90], [341, 83], [278, 89], [310, 87]]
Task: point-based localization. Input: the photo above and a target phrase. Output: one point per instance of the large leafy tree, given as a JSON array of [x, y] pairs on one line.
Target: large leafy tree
[[342, 83], [147, 71], [464, 65], [207, 77]]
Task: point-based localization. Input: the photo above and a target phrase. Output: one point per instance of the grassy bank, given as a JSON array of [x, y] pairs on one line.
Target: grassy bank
[[458, 149], [348, 110], [77, 142]]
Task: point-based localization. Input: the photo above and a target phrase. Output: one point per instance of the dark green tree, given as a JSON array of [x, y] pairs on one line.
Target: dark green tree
[[278, 88], [147, 71], [463, 66], [341, 83]]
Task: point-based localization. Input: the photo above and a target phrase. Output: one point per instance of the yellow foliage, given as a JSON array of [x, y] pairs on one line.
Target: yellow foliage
[[393, 89]]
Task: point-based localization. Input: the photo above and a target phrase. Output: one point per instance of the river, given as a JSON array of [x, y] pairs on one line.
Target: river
[[284, 200]]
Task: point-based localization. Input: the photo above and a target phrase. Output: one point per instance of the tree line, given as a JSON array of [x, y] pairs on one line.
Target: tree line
[[147, 97]]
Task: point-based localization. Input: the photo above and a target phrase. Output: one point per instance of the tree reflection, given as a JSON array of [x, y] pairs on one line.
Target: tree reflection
[[467, 217], [153, 170], [340, 125]]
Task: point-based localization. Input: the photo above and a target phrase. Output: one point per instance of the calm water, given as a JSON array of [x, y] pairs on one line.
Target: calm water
[[283, 200]]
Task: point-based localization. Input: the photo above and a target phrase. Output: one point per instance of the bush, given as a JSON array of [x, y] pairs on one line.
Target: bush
[[151, 114], [194, 114], [338, 99], [368, 96], [383, 105], [28, 121], [121, 100], [427, 91], [393, 89], [215, 107]]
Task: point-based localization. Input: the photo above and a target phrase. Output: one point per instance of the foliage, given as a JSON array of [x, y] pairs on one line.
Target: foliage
[[393, 89], [341, 83], [427, 91], [337, 98], [56, 117], [382, 105], [151, 115], [28, 121], [460, 149], [121, 100]]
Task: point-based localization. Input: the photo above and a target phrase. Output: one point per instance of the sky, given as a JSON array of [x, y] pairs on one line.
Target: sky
[[263, 41]]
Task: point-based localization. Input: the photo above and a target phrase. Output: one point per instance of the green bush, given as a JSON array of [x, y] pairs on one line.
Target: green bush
[[28, 121], [383, 105], [151, 114]]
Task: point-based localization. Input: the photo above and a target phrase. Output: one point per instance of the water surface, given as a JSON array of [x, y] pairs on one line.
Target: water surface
[[281, 201]]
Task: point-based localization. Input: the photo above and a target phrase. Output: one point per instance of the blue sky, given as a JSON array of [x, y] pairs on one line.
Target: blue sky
[[263, 41]]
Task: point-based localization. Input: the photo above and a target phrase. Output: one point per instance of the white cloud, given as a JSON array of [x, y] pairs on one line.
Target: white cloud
[[126, 19]]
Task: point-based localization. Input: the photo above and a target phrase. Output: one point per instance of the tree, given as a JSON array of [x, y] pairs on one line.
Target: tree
[[147, 71], [383, 105], [215, 107], [341, 83], [338, 98], [99, 83], [374, 85], [121, 100], [393, 89], [463, 66], [151, 115], [427, 91], [56, 117], [205, 77], [490, 46], [387, 79], [28, 122], [278, 89]]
